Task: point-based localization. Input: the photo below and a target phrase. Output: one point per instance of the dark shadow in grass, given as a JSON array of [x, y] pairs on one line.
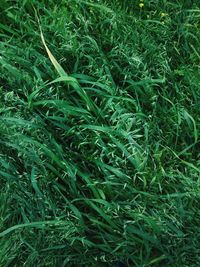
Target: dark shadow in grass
[[121, 264]]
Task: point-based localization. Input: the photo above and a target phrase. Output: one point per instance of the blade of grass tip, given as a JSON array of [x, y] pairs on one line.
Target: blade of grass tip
[[55, 63], [189, 119], [62, 72], [34, 183], [156, 260], [61, 105], [64, 79], [186, 149]]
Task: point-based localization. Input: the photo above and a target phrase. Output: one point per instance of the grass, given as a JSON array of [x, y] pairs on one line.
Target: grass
[[99, 158]]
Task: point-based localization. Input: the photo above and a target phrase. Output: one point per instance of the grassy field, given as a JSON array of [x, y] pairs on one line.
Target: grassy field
[[99, 133]]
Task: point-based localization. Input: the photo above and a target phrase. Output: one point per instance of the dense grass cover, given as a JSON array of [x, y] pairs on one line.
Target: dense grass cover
[[99, 144]]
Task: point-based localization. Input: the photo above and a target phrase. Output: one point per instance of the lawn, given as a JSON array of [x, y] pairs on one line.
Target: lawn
[[99, 133]]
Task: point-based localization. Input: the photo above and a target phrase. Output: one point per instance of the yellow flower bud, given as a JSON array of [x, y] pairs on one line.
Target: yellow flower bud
[[141, 5]]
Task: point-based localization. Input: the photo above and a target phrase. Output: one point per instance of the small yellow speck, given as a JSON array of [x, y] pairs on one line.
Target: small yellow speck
[[163, 14], [141, 5]]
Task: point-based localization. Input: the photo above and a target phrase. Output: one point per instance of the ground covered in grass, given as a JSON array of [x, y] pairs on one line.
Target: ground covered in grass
[[99, 133]]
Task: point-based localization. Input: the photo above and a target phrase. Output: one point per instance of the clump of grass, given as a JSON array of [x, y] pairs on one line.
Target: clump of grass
[[99, 133]]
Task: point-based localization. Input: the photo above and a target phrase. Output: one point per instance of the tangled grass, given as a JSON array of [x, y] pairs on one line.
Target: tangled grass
[[99, 146]]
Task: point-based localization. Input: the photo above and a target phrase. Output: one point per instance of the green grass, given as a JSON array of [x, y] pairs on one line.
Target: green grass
[[99, 133]]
